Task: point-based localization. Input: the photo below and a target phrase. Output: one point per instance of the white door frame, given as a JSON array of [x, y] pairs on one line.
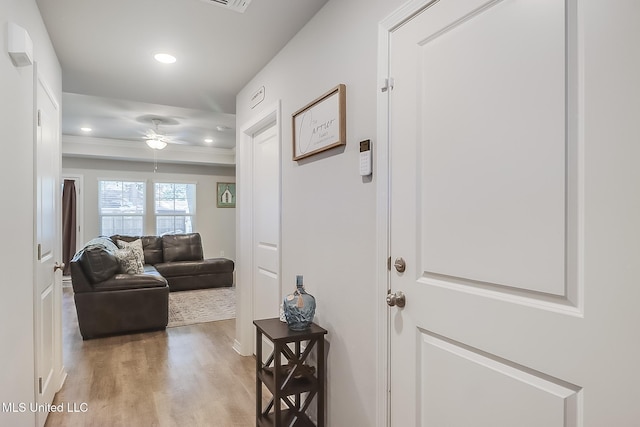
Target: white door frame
[[271, 115], [385, 28]]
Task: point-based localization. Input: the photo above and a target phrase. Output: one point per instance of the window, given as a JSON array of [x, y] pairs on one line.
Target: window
[[121, 207], [175, 207]]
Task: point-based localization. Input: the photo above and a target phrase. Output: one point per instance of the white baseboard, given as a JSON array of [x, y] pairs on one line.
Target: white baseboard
[[237, 347]]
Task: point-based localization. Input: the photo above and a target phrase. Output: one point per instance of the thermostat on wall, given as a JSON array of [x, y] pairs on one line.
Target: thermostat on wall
[[365, 157]]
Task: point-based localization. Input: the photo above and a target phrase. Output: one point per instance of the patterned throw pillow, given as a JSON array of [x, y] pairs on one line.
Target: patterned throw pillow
[[136, 247], [129, 261]]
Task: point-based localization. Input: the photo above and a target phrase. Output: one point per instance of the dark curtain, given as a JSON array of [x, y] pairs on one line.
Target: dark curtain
[[68, 223]]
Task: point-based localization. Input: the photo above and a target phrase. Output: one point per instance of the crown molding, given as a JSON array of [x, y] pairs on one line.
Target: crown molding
[[118, 149]]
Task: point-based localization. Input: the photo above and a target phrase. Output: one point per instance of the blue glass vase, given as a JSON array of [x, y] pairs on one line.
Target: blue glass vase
[[299, 308]]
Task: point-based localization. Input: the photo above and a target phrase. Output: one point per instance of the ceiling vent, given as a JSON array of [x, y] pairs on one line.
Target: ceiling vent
[[235, 5]]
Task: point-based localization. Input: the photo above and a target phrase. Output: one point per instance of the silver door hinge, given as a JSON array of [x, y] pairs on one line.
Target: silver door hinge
[[389, 263], [39, 119], [40, 385], [387, 84], [39, 252]]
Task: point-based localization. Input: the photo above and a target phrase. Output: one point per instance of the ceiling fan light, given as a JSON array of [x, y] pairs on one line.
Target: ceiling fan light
[[156, 144]]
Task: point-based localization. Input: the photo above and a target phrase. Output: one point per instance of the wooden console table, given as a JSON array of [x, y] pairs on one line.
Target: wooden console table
[[292, 383]]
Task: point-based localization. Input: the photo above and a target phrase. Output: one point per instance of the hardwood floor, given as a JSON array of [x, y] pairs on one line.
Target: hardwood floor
[[184, 376]]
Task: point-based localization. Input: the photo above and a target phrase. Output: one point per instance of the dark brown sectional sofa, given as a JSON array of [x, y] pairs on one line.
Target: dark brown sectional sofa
[[110, 302], [179, 259]]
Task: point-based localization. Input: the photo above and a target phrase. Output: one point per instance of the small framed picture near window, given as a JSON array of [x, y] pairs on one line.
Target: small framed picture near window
[[226, 195], [320, 125]]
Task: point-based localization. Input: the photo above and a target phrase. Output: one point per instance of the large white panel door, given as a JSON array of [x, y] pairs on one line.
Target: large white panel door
[[516, 314], [266, 224], [48, 294]]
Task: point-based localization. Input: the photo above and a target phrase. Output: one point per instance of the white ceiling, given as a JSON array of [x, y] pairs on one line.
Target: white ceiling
[[112, 84]]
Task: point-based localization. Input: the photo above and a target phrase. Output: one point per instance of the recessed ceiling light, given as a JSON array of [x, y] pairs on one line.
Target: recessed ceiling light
[[165, 58], [86, 129], [221, 128], [208, 140]]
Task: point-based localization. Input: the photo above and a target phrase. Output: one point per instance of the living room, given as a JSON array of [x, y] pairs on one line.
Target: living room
[[332, 220], [215, 224]]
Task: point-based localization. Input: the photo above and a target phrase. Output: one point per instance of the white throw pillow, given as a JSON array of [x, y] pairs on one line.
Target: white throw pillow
[[128, 260], [136, 247]]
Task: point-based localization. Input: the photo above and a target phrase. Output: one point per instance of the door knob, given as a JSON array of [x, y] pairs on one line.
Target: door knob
[[398, 299], [400, 265], [58, 266]]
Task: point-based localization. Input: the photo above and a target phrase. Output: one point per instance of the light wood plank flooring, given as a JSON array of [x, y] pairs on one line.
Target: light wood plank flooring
[[184, 376]]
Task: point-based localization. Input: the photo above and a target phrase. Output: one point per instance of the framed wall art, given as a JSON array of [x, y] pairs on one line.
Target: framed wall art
[[321, 124], [226, 195]]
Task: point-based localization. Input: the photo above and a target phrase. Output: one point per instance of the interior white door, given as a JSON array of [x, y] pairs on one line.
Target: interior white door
[[516, 314], [266, 223], [48, 279]]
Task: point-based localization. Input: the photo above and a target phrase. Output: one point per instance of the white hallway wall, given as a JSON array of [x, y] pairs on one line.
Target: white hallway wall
[[17, 378], [328, 210], [215, 225]]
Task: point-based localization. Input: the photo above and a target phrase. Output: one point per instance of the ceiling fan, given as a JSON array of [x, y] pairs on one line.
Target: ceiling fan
[[154, 138]]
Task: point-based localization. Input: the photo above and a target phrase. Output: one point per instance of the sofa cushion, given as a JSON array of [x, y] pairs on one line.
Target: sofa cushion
[[98, 263], [151, 245], [182, 247], [132, 281], [195, 268], [130, 262]]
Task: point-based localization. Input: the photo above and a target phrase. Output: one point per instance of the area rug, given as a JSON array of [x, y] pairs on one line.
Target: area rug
[[201, 306]]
